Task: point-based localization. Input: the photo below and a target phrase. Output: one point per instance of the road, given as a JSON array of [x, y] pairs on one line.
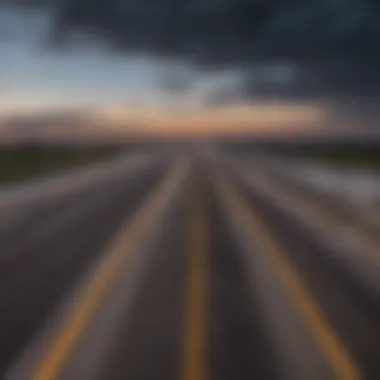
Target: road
[[191, 266]]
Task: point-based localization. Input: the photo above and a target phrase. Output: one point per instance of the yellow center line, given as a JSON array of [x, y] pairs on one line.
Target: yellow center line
[[194, 350], [126, 240], [335, 353]]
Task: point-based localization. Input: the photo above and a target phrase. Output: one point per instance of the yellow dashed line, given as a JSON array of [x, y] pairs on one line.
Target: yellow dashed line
[[53, 361], [343, 366], [194, 352]]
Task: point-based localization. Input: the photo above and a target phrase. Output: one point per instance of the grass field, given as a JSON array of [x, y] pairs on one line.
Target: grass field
[[359, 157], [17, 164], [353, 154]]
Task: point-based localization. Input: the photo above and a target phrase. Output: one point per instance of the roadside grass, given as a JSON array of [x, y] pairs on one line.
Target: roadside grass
[[352, 155], [22, 163]]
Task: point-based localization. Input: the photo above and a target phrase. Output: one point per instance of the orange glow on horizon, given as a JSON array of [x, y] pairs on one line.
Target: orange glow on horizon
[[264, 118]]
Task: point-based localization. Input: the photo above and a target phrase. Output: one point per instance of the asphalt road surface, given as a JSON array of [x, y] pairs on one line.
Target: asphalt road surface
[[179, 266]]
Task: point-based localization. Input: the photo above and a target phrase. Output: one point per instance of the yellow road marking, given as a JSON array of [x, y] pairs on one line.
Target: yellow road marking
[[53, 361], [194, 353], [343, 366]]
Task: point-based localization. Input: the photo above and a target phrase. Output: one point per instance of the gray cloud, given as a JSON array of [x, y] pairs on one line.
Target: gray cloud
[[336, 42]]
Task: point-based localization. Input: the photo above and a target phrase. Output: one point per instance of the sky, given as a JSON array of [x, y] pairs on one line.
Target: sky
[[318, 48], [34, 77]]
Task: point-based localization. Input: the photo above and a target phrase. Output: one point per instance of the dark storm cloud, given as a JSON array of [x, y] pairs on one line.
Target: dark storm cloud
[[337, 40], [233, 30]]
